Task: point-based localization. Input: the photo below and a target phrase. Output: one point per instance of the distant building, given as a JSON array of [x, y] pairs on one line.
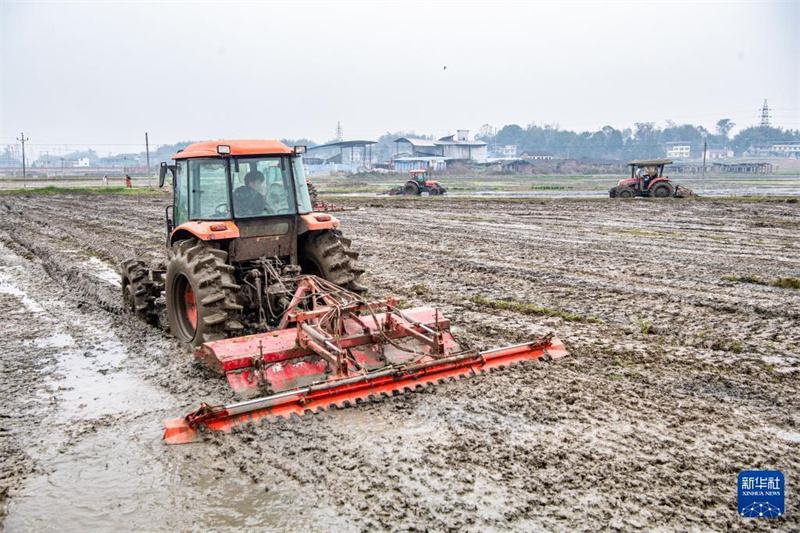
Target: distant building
[[787, 149], [503, 151], [719, 154], [537, 156], [679, 150], [406, 164], [81, 162], [452, 147]]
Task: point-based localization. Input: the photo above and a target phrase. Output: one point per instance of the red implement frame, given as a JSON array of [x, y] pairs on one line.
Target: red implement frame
[[336, 349]]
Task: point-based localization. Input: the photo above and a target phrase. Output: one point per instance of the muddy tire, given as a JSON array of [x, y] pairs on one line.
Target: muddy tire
[[139, 293], [327, 254], [662, 190], [625, 192], [201, 294], [434, 191], [411, 189]]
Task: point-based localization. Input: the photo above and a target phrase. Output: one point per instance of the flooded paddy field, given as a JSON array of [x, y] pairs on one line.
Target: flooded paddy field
[[684, 369], [559, 186]]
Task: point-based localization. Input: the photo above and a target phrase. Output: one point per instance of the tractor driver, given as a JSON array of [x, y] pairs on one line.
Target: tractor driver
[[651, 173], [247, 199]]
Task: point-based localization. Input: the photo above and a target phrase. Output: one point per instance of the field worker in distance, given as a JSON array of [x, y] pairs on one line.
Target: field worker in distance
[[105, 180], [247, 199], [128, 182]]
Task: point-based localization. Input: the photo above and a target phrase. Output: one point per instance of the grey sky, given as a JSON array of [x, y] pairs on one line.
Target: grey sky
[[94, 73]]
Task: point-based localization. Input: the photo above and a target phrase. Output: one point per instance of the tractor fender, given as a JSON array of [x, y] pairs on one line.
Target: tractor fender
[[316, 222], [210, 230]]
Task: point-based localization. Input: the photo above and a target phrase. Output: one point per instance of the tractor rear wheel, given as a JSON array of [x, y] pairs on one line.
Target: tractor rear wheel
[[201, 293], [411, 189], [625, 192], [327, 254], [138, 291], [662, 190]]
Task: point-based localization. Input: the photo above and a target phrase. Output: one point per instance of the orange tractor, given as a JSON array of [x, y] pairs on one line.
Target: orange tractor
[[267, 292], [418, 184]]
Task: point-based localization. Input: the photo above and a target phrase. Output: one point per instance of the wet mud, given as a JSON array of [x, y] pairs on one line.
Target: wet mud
[[678, 378]]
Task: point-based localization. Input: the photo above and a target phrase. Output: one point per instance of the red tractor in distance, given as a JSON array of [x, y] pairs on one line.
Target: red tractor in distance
[[648, 180]]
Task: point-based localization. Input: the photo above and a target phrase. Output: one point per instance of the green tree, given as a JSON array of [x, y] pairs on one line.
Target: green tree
[[724, 127]]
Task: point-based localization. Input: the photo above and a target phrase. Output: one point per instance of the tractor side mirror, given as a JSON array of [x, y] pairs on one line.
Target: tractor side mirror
[[162, 173]]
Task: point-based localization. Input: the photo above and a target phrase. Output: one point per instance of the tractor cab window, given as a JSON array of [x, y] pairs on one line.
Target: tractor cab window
[[262, 186], [301, 186], [208, 190], [181, 198]]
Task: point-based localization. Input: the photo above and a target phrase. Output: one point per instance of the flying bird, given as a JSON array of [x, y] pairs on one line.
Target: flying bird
[[445, 67]]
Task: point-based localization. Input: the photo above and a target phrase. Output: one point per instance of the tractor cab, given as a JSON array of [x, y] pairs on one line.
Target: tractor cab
[[420, 176], [240, 180]]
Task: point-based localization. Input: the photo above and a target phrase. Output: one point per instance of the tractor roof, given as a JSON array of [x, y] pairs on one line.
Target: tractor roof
[[649, 162], [238, 147]]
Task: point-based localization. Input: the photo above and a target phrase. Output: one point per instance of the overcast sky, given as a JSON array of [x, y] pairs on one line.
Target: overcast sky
[[91, 73]]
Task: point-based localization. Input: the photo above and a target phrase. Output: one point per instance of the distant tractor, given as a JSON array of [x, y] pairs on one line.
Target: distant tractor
[[648, 180], [418, 183]]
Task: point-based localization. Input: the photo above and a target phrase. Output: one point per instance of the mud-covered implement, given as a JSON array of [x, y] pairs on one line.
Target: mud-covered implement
[[334, 348]]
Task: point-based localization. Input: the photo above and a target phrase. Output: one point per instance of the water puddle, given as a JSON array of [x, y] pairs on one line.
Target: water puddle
[[103, 271], [97, 441]]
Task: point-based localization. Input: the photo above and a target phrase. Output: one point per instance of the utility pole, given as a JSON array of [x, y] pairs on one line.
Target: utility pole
[[147, 149], [339, 133], [22, 139], [705, 151]]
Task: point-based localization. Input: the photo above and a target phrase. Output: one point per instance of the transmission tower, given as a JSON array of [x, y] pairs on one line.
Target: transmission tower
[[765, 115], [339, 133]]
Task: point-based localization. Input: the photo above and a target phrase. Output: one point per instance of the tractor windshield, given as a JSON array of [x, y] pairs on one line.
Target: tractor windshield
[[262, 186]]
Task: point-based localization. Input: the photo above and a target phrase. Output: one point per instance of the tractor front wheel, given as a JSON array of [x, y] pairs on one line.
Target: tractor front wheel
[[626, 192], [138, 291], [201, 294]]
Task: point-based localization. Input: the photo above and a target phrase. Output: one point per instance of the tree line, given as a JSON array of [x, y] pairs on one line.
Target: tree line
[[644, 140]]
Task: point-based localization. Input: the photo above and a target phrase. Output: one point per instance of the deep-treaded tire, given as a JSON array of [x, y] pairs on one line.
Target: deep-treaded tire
[[662, 190], [139, 293], [201, 294], [327, 254], [625, 192], [411, 189]]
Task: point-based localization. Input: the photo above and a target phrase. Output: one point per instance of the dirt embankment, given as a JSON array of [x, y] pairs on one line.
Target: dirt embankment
[[679, 376]]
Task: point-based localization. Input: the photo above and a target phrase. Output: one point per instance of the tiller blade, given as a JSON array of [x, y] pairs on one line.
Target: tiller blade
[[339, 350]]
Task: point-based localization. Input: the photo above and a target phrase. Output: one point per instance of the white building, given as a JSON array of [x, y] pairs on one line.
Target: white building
[[451, 147], [718, 154], [787, 149], [505, 151], [679, 150]]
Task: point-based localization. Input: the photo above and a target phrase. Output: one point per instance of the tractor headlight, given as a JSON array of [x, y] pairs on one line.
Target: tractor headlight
[[299, 150], [223, 149]]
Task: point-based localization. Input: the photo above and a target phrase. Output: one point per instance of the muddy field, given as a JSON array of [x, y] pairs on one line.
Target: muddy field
[[681, 375]]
